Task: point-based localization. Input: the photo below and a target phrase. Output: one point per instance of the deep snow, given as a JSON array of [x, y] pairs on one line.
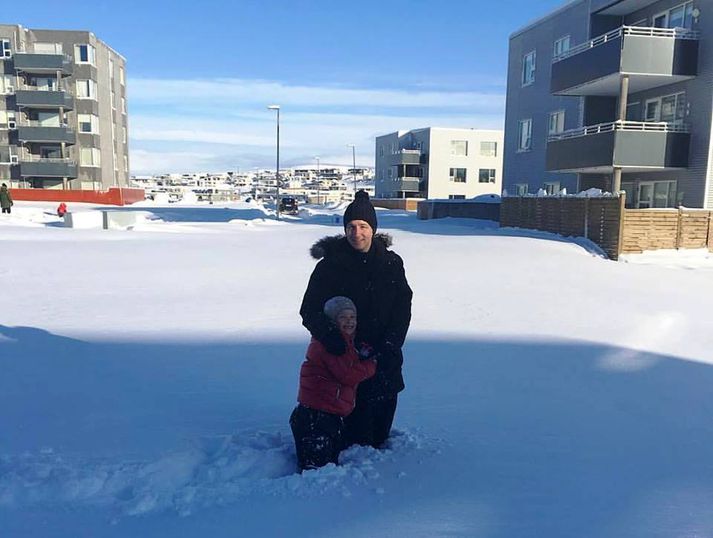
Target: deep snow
[[148, 374]]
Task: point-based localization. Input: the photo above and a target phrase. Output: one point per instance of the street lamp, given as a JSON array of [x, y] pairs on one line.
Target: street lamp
[[353, 165], [277, 168], [318, 193]]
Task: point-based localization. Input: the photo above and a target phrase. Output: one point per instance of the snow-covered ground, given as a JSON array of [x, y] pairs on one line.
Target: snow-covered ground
[[147, 375]]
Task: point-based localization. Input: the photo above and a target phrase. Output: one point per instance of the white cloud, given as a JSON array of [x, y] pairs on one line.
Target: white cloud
[[228, 119], [242, 92]]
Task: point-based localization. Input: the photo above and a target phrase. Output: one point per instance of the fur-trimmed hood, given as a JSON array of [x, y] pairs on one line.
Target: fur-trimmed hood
[[331, 243]]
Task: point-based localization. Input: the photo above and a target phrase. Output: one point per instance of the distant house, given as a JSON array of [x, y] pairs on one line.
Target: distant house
[[438, 162]]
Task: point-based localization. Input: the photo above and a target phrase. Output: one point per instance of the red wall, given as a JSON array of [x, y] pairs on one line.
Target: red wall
[[114, 196]]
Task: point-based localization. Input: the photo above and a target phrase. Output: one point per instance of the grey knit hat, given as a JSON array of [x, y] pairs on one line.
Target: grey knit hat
[[334, 306]]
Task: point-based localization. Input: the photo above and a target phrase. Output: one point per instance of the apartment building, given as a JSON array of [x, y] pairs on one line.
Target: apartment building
[[613, 94], [63, 115], [438, 162]]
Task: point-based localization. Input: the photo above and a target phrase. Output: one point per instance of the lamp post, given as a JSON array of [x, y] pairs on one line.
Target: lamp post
[[353, 165], [277, 168], [318, 180]]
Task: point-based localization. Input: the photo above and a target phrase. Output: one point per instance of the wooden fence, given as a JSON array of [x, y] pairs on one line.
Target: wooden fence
[[652, 229], [597, 219], [607, 223], [408, 204]]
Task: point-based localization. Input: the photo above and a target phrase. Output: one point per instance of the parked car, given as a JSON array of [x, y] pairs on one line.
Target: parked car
[[288, 205]]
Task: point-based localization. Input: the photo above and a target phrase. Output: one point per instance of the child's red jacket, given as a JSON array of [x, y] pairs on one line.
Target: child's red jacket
[[329, 382]]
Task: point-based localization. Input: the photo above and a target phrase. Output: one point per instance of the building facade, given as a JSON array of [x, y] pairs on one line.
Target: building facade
[[613, 94], [439, 163], [63, 115]]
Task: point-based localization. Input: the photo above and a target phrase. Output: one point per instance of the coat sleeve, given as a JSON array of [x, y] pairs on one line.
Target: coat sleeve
[[317, 293], [400, 319], [347, 368]]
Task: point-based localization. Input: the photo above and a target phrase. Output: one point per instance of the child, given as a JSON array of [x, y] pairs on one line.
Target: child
[[327, 391]]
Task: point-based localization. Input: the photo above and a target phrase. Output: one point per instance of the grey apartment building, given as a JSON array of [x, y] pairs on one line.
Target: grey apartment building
[[613, 94], [63, 116]]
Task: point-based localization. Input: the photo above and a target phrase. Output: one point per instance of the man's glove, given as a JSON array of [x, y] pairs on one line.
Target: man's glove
[[333, 342], [365, 351]]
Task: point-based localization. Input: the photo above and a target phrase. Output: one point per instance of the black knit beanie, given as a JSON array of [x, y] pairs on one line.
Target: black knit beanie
[[360, 209]]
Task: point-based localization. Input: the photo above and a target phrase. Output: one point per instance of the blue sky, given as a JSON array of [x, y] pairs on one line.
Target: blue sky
[[200, 74]]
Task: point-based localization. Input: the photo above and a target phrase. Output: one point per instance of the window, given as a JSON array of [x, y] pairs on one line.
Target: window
[[88, 123], [456, 196], [486, 175], [6, 117], [457, 175], [126, 164], [86, 89], [668, 108], [90, 157], [6, 85], [678, 17], [5, 50], [459, 147], [123, 105], [390, 173], [122, 80], [521, 189], [381, 151], [488, 149], [551, 187], [44, 84], [561, 46], [84, 54], [123, 130], [111, 69], [524, 135], [656, 194], [556, 122], [528, 68], [113, 99]]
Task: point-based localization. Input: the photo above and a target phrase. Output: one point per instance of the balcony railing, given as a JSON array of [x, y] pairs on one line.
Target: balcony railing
[[43, 63], [631, 145], [676, 33], [37, 98], [46, 134], [35, 166], [658, 126]]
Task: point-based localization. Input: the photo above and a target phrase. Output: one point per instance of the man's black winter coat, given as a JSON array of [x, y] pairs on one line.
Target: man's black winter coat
[[377, 284]]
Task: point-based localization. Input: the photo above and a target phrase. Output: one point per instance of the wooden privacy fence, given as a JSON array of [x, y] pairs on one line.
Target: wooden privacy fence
[[652, 229], [607, 223], [597, 219]]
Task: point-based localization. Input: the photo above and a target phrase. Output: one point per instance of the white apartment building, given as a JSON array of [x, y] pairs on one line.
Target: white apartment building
[[437, 162]]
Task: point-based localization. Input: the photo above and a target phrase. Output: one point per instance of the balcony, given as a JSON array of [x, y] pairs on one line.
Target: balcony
[[48, 168], [630, 145], [44, 99], [43, 63], [406, 184], [651, 57], [38, 133], [406, 156]]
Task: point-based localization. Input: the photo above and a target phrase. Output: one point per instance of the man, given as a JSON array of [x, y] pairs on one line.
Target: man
[[360, 266], [5, 199]]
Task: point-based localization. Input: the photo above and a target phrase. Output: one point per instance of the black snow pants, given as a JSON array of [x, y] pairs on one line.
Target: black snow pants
[[318, 437], [370, 422]]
